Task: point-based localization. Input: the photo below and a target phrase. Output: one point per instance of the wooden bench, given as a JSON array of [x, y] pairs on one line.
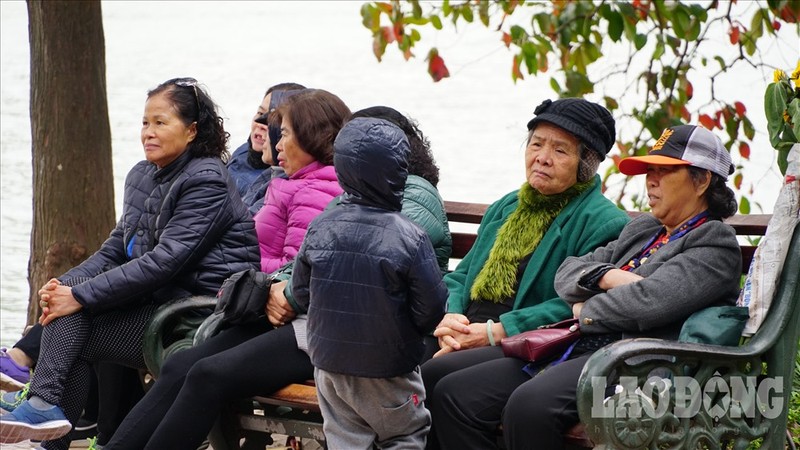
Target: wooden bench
[[294, 411]]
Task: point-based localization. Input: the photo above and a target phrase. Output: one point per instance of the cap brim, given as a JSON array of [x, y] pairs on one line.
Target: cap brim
[[637, 165]]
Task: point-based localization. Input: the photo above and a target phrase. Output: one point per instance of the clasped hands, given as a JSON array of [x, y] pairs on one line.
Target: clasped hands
[[56, 300], [455, 332], [279, 311]]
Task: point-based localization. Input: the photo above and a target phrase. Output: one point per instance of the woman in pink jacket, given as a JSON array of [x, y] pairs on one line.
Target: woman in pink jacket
[[309, 122]]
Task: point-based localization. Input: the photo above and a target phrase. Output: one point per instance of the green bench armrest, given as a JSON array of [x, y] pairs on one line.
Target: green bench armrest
[[172, 328]]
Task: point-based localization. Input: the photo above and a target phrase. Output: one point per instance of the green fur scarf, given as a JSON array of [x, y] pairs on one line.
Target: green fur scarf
[[518, 237]]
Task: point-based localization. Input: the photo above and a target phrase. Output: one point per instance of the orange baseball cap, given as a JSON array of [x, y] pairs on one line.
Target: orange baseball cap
[[686, 145]]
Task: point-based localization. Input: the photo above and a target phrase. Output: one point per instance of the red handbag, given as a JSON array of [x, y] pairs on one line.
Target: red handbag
[[543, 343]]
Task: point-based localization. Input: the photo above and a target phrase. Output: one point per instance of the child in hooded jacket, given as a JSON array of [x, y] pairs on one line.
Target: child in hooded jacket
[[370, 282]]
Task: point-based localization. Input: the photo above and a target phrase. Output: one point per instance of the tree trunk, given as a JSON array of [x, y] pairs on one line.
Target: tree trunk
[[73, 188]]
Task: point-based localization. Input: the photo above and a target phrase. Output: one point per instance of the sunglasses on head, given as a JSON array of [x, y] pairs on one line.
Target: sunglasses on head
[[190, 82]]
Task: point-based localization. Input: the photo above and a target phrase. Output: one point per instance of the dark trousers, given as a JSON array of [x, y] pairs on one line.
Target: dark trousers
[[471, 392], [72, 344], [197, 383], [121, 387], [542, 409], [31, 342]]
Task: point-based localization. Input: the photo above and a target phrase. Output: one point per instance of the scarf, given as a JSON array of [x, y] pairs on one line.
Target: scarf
[[517, 238]]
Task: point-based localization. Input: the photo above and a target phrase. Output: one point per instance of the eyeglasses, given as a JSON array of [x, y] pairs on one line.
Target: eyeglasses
[[190, 82]]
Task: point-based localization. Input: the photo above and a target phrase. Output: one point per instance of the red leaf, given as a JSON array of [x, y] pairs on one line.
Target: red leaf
[[744, 150], [506, 39], [788, 14], [685, 114], [740, 109], [689, 90], [737, 181], [776, 25], [398, 31], [515, 72], [734, 35], [388, 34], [436, 67], [707, 121]]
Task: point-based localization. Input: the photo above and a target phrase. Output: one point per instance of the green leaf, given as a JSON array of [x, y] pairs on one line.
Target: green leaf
[[630, 28], [518, 34], [699, 12], [466, 12], [415, 20], [744, 205], [591, 52], [783, 159], [414, 35], [757, 25], [604, 10], [544, 21], [529, 56], [694, 30], [370, 17], [578, 84], [681, 21], [555, 86], [794, 113], [774, 100], [615, 25], [436, 22], [659, 51], [416, 9], [749, 130], [640, 41], [483, 13], [668, 76], [544, 43]]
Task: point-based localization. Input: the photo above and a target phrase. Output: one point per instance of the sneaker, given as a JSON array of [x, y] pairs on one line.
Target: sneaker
[[10, 400], [27, 422], [12, 376]]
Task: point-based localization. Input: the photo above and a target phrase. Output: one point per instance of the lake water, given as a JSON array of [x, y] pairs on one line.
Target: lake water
[[475, 119]]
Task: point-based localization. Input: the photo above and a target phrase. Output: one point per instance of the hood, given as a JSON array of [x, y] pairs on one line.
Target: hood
[[370, 156]]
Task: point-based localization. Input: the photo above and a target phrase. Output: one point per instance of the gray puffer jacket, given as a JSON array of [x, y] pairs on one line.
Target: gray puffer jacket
[[183, 230]]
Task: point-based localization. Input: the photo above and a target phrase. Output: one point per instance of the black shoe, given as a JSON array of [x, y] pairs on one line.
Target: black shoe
[[84, 429]]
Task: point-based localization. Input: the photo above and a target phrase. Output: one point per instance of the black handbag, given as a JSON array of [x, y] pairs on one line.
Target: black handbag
[[242, 298]]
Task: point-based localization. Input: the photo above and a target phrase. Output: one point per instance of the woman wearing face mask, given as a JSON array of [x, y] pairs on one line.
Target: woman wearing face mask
[[245, 164]]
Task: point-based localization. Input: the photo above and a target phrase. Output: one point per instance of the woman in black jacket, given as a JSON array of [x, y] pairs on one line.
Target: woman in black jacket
[[182, 232]]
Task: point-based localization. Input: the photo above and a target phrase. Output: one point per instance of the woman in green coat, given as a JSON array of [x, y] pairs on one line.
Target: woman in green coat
[[504, 285]]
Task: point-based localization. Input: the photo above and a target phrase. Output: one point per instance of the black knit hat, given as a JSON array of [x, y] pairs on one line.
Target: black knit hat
[[589, 122]]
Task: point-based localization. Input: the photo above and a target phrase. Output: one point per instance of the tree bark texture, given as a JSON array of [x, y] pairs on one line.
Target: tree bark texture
[[73, 188]]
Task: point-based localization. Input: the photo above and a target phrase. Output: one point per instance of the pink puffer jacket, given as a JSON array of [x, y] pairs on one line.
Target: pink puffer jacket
[[290, 206]]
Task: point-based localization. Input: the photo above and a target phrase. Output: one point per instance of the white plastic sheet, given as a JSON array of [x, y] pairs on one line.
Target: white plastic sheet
[[765, 269]]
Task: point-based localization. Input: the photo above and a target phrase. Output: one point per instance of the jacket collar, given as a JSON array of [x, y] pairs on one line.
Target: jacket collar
[[168, 173]]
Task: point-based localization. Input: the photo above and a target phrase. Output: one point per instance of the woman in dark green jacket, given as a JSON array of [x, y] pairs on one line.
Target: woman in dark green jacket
[[504, 285]]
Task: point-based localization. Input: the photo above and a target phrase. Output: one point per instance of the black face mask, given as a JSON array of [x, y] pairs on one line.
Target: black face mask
[[254, 157]]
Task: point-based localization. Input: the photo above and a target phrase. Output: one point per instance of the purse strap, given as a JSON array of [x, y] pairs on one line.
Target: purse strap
[[567, 323]]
